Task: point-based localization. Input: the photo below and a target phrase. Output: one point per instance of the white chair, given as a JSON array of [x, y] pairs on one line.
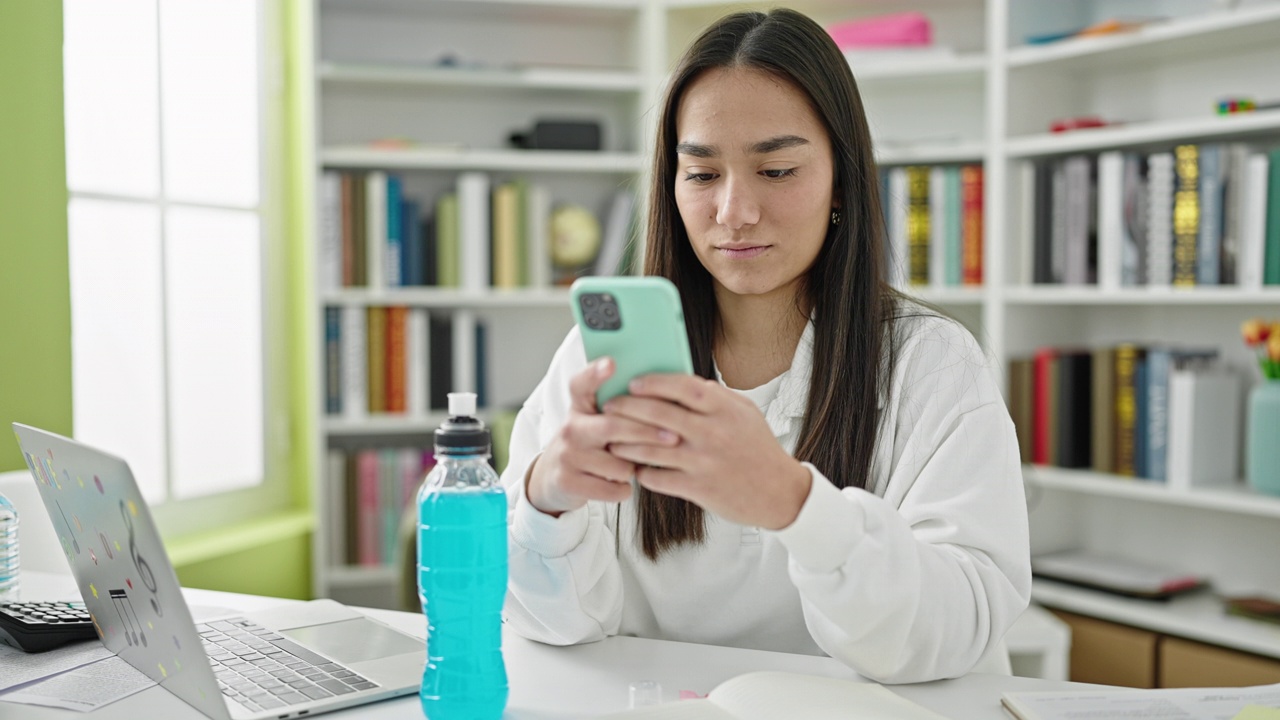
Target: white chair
[[1039, 645], [995, 661]]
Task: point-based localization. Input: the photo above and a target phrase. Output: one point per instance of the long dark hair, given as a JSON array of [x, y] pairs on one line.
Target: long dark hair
[[844, 288]]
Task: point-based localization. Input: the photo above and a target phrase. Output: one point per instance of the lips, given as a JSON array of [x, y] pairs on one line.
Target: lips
[[742, 251]]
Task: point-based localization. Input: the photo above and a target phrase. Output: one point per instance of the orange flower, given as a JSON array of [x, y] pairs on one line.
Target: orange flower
[[1255, 331], [1273, 345]]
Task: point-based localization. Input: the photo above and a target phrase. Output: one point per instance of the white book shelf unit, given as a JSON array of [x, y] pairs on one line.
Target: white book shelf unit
[[1160, 86], [428, 92], [457, 77]]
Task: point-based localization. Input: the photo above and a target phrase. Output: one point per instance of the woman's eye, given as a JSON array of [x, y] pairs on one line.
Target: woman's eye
[[699, 177], [778, 174]]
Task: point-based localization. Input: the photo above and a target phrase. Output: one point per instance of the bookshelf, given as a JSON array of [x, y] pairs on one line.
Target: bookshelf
[[1162, 83], [428, 92], [375, 75]]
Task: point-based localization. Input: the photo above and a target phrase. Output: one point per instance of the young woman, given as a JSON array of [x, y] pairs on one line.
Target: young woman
[[843, 477]]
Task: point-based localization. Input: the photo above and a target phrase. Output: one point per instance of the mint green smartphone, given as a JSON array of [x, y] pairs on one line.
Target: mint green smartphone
[[637, 321]]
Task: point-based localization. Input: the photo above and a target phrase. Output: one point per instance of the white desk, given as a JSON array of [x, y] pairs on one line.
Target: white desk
[[548, 682]]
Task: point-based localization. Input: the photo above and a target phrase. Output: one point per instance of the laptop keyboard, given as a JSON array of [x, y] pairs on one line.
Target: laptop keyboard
[[261, 669]]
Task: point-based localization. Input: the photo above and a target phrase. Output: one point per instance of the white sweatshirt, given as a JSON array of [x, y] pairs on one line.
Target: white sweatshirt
[[913, 579]]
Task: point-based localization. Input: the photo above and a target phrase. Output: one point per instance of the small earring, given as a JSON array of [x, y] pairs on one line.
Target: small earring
[[835, 217]]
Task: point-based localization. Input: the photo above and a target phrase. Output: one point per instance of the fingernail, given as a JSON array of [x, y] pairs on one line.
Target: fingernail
[[602, 366], [635, 385], [667, 436]]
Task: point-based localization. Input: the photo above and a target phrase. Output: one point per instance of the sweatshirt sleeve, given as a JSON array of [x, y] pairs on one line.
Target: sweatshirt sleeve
[[564, 582], [917, 580]]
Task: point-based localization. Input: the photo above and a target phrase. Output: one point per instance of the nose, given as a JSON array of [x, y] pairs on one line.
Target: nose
[[737, 206]]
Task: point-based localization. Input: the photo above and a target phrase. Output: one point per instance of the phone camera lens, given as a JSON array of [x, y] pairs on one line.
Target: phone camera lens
[[609, 312], [593, 322], [589, 301]]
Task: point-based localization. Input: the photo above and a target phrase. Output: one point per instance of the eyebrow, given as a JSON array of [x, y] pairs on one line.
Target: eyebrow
[[774, 144]]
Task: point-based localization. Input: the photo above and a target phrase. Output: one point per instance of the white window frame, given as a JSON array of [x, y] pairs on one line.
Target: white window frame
[[274, 491]]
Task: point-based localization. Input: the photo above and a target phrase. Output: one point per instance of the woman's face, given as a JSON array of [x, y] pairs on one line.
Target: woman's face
[[753, 179]]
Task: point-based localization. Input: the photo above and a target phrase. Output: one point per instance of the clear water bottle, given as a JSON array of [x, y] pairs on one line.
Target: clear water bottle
[[8, 550], [462, 572]]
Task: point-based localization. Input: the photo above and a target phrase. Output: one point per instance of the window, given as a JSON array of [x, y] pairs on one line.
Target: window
[[166, 220]]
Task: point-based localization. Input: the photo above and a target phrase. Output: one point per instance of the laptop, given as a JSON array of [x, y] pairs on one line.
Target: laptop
[[301, 659]]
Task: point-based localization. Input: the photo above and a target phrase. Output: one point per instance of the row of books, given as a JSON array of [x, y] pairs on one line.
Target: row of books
[[933, 221], [369, 490], [1153, 412], [400, 361], [478, 235], [1199, 215]]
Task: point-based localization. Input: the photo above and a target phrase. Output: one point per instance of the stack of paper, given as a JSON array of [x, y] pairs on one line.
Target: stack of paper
[[1113, 574], [1120, 704], [772, 695]]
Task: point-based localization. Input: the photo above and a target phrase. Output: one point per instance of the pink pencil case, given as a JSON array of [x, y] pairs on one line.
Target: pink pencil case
[[898, 29]]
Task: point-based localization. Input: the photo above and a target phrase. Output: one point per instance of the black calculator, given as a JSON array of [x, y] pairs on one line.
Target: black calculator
[[40, 626]]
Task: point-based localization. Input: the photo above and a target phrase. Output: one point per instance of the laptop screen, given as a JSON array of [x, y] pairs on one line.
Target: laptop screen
[[125, 578]]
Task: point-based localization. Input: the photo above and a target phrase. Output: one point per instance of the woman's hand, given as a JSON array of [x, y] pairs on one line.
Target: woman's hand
[[577, 466], [727, 460]]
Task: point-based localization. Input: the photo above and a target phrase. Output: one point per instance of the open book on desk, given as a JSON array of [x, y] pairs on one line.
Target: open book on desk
[[773, 695], [1125, 704]]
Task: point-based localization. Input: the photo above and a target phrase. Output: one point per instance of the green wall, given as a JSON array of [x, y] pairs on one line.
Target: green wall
[[266, 556], [278, 568], [35, 303]]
